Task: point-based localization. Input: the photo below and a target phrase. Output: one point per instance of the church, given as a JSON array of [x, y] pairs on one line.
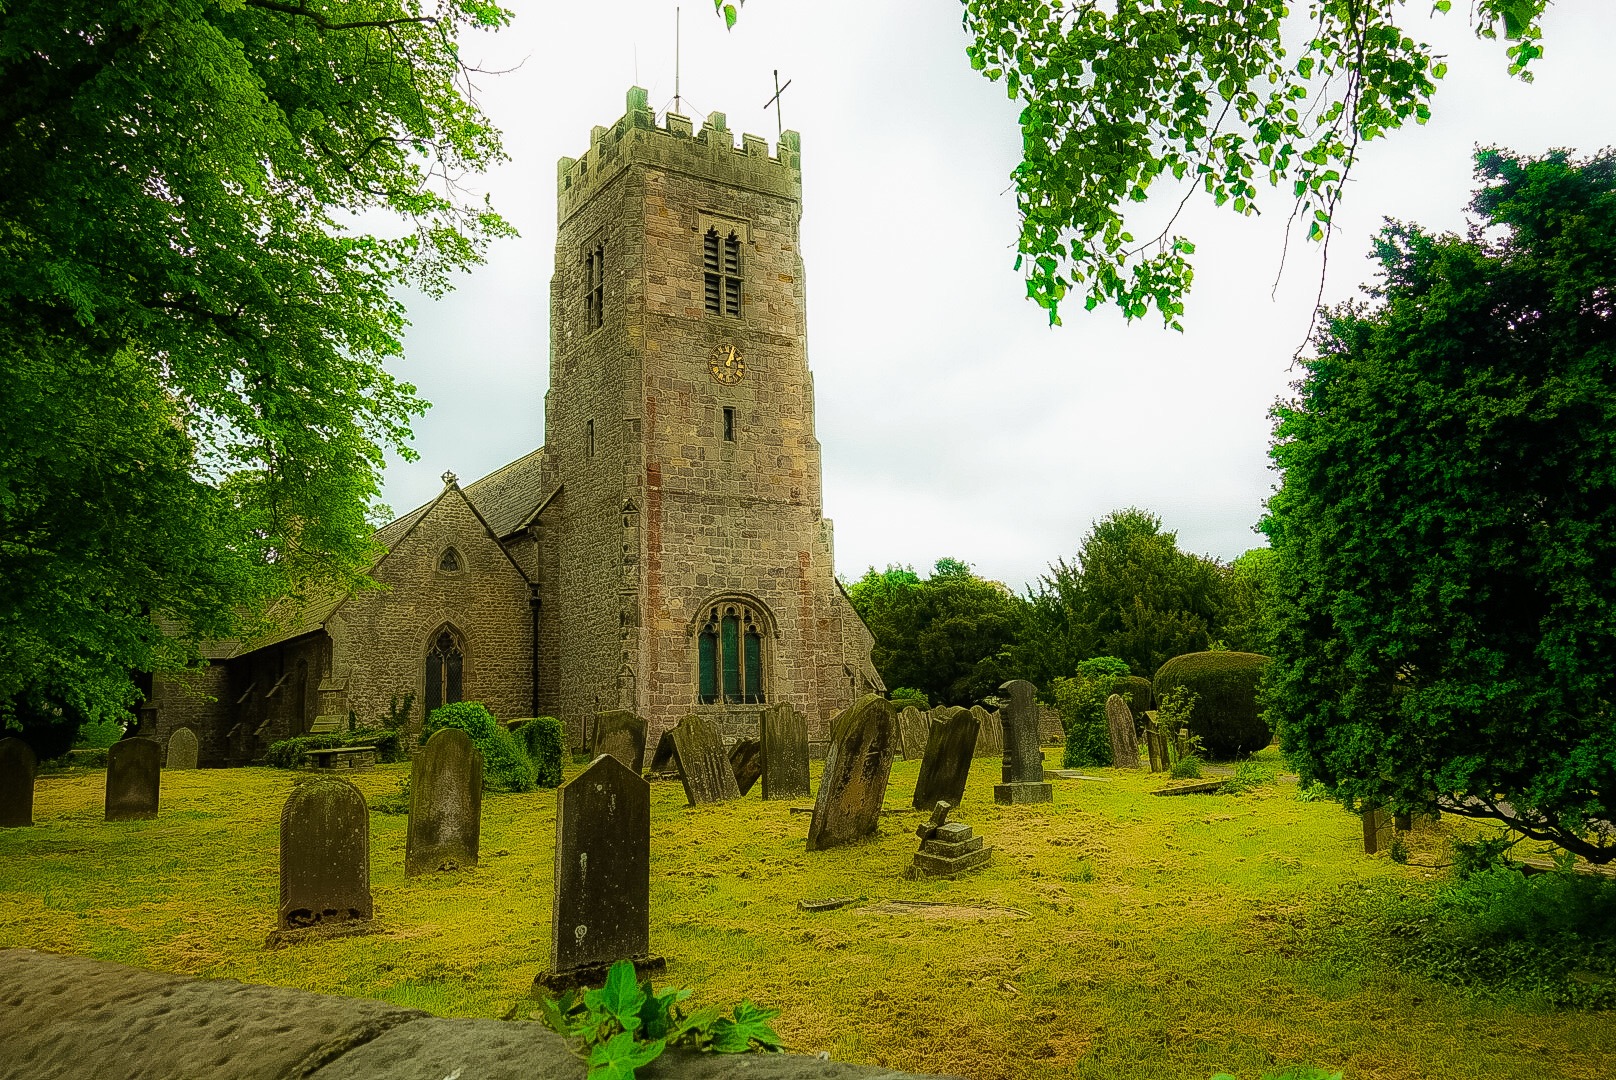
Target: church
[[665, 551]]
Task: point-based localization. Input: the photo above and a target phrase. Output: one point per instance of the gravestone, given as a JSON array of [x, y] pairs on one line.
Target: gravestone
[[182, 749], [134, 767], [601, 911], [914, 729], [665, 762], [990, 740], [325, 859], [746, 761], [446, 804], [1023, 773], [17, 767], [947, 760], [784, 735], [1124, 739], [621, 734], [848, 805], [946, 847], [704, 768]]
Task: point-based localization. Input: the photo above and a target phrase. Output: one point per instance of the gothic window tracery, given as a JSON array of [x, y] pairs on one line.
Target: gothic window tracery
[[449, 561], [444, 662], [729, 656]]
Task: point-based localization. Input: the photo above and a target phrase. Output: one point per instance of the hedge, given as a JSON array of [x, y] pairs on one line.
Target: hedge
[[1225, 685], [506, 766], [542, 739]]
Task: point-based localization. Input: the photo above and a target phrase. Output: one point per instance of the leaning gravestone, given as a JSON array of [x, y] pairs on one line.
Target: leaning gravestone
[[621, 734], [862, 742], [914, 729], [325, 861], [1124, 740], [1023, 760], [182, 749], [602, 907], [947, 762], [665, 762], [17, 767], [446, 804], [134, 767], [704, 768], [784, 735], [990, 742], [746, 761]]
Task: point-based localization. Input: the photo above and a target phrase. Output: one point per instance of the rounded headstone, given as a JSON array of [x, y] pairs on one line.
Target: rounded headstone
[[848, 804], [325, 855], [182, 749], [446, 804], [17, 767], [134, 769]]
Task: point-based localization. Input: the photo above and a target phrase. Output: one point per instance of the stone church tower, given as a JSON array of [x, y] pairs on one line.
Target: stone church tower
[[687, 562]]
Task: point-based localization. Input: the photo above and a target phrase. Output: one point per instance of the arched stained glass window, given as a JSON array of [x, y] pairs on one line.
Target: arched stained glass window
[[443, 666], [729, 656]]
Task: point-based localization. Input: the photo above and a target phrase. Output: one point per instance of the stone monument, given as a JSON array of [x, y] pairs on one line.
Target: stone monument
[[946, 847], [325, 861], [134, 768], [704, 768], [990, 743], [947, 761], [17, 767], [621, 734], [602, 907], [862, 742], [182, 749], [784, 735], [1124, 739], [446, 804], [914, 729], [1023, 775]]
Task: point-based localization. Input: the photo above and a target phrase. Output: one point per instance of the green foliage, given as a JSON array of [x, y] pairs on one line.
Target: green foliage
[[905, 696], [1482, 855], [1296, 1072], [1445, 527], [398, 716], [1247, 776], [506, 765], [1136, 691], [1187, 767], [625, 1025], [1314, 792], [1226, 718], [397, 803], [1244, 626], [542, 739], [195, 325], [98, 735], [1172, 720], [1217, 100], [1081, 701], [950, 636], [288, 753], [384, 740]]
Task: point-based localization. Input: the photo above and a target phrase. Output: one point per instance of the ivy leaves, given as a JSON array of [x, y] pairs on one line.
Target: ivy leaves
[[1209, 97], [626, 1024]]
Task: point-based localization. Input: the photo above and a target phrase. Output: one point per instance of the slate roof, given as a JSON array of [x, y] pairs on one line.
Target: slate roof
[[507, 497]]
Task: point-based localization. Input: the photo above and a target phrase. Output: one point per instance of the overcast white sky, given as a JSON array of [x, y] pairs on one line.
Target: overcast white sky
[[954, 420]]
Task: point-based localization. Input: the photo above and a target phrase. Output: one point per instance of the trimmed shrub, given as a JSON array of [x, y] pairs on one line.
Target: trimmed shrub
[[1226, 718], [542, 739], [1136, 691], [506, 766], [904, 696]]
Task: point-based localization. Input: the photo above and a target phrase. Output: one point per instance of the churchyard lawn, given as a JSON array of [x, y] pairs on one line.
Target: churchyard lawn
[[1115, 934]]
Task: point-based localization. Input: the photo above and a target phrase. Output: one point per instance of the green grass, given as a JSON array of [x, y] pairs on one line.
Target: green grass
[[1151, 938]]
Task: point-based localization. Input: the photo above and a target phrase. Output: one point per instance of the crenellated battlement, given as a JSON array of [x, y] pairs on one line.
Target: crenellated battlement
[[636, 138]]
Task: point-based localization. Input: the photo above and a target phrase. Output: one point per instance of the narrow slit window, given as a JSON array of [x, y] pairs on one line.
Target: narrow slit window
[[589, 438], [595, 288], [729, 424]]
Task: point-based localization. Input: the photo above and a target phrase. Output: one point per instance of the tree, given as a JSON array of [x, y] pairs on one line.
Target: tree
[[193, 323], [1249, 580], [1444, 609], [1221, 97], [948, 636]]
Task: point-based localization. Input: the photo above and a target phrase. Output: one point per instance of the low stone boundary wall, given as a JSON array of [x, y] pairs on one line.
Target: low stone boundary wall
[[68, 1018]]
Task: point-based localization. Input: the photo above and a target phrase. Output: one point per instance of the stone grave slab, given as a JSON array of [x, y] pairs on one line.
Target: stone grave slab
[[1023, 774], [182, 749], [914, 727], [446, 804], [848, 805], [601, 912], [134, 770], [17, 768], [1124, 739], [990, 742], [784, 735], [620, 733], [746, 760], [704, 768], [325, 860], [946, 763]]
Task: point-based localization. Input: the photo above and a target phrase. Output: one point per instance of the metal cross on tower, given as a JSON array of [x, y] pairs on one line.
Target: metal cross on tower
[[779, 124]]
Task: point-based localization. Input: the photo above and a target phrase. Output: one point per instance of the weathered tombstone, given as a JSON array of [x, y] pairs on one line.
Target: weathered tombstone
[[1051, 730], [182, 749], [914, 729], [446, 804], [665, 761], [848, 805], [1371, 830], [621, 734], [704, 768], [325, 859], [746, 761], [1124, 740], [990, 741], [602, 907], [947, 761], [1023, 761], [784, 735], [17, 767], [134, 767]]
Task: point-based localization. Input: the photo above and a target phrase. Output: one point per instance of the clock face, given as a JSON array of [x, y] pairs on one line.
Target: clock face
[[726, 364]]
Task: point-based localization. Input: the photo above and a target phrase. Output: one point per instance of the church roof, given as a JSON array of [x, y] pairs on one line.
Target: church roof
[[507, 497]]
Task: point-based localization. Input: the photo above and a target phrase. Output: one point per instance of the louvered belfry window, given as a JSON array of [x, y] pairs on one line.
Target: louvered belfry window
[[721, 269]]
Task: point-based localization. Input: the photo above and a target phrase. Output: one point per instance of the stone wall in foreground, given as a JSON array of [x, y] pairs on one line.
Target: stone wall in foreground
[[69, 1018]]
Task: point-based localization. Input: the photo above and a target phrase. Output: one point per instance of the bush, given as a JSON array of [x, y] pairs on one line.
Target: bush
[[542, 739], [506, 766], [905, 696], [98, 736], [288, 753], [1136, 691], [1226, 719], [1186, 768], [1081, 701]]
